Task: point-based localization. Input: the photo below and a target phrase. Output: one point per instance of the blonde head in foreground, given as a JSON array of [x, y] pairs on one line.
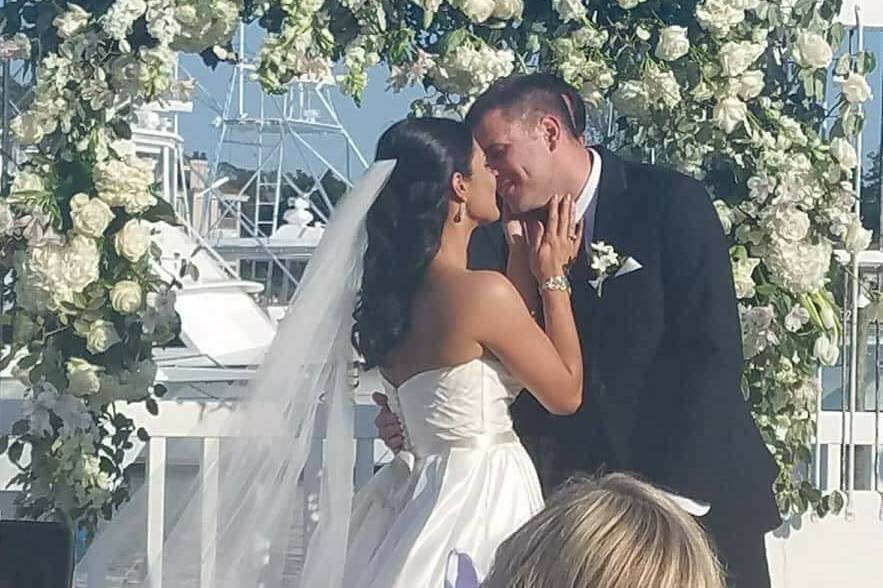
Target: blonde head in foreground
[[613, 532]]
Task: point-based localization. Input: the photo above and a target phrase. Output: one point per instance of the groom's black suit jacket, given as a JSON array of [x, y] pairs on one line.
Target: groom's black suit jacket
[[662, 351]]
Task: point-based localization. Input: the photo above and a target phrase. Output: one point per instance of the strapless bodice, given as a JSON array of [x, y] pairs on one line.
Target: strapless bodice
[[465, 405]]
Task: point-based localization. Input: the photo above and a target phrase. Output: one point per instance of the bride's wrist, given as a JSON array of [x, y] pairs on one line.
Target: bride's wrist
[[555, 283]]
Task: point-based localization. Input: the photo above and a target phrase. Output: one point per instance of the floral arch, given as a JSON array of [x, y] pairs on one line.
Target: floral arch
[[730, 91]]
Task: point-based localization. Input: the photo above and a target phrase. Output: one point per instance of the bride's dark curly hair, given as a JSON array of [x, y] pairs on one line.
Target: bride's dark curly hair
[[405, 225]]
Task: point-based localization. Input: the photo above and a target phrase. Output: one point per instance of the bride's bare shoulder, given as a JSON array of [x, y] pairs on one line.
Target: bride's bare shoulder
[[489, 290]]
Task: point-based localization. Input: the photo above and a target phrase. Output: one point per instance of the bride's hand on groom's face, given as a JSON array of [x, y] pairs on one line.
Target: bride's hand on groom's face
[[554, 244], [389, 429]]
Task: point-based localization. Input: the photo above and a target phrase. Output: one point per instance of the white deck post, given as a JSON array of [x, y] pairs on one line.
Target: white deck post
[[156, 498], [211, 453]]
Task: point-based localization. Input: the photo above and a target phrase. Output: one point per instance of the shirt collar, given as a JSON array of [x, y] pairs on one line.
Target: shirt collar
[[590, 190]]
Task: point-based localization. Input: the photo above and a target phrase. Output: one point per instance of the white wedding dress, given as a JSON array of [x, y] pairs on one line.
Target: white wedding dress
[[463, 484]]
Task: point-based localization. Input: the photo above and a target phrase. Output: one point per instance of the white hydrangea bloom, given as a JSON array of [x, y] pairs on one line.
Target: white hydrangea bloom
[[468, 70], [719, 16], [800, 267]]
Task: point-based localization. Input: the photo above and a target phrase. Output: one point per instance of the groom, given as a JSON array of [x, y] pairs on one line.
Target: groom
[[661, 339]]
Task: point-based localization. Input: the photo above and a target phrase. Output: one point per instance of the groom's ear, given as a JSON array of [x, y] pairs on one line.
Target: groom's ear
[[551, 131]]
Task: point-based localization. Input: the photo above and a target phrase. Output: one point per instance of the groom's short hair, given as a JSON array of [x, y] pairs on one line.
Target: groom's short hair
[[539, 93]]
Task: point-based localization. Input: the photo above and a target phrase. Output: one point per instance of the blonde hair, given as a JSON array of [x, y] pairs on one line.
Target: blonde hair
[[613, 532]]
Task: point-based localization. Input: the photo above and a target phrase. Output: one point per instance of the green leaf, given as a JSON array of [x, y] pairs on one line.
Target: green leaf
[[20, 427], [143, 435], [28, 361], [160, 390], [4, 443], [866, 62], [14, 452], [452, 40], [162, 211], [152, 407], [837, 501], [121, 129], [107, 465]]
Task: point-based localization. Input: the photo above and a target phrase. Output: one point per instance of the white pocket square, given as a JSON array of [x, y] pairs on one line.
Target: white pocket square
[[628, 266], [631, 265]]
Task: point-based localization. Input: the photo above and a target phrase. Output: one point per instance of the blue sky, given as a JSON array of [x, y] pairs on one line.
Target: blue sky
[[381, 108]]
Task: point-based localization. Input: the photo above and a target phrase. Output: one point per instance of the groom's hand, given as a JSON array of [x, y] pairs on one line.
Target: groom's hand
[[389, 429]]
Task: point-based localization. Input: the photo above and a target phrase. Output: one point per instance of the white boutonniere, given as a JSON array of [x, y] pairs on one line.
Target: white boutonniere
[[606, 262]]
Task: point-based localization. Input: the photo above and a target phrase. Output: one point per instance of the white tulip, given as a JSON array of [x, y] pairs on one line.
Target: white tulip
[[826, 350]]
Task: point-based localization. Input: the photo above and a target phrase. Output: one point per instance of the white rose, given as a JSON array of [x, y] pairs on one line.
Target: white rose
[[750, 85], [812, 50], [102, 335], [742, 271], [81, 262], [508, 9], [29, 128], [82, 377], [90, 215], [7, 219], [26, 182], [826, 350], [133, 240], [628, 4], [702, 91], [477, 11], [69, 23], [792, 131], [631, 99], [736, 58], [569, 9], [673, 43], [729, 113], [844, 153], [665, 84], [857, 237], [856, 88], [125, 297]]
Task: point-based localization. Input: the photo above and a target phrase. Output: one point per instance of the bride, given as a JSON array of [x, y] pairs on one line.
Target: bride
[[453, 348]]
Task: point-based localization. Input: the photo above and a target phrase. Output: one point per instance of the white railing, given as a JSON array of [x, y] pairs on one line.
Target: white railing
[[789, 549]]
